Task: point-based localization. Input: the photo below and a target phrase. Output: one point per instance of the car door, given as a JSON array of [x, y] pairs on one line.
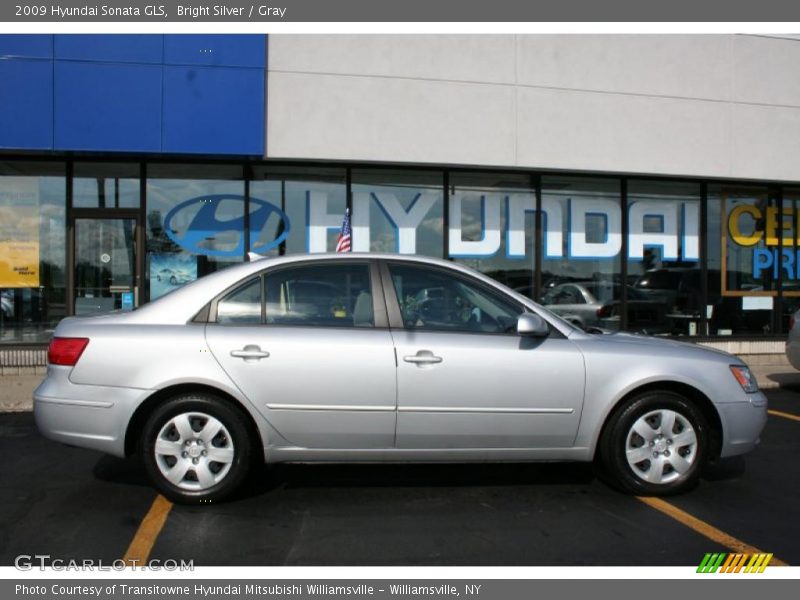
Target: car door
[[308, 345], [465, 378]]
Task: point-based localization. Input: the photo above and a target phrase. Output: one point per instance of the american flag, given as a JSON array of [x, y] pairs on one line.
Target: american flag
[[343, 243]]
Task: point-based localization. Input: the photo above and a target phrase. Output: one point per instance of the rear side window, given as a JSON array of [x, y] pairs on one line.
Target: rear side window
[[325, 295], [242, 306]]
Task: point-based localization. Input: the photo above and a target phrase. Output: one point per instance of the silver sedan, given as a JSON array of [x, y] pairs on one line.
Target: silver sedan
[[367, 357]]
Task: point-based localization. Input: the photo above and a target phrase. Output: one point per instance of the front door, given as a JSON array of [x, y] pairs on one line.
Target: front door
[[302, 344], [105, 264], [466, 379]]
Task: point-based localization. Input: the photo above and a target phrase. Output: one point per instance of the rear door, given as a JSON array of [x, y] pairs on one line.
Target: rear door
[[308, 344]]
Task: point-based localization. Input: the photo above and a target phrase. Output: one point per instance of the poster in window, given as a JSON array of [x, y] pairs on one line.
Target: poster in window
[[169, 271], [19, 232]]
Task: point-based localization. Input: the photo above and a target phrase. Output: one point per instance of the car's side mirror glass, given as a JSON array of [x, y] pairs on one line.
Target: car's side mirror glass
[[532, 325]]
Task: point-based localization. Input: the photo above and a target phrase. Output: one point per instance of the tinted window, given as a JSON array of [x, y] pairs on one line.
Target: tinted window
[[243, 305], [331, 295], [432, 300]]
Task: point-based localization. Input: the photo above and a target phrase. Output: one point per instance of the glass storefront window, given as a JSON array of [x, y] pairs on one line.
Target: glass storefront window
[[195, 222], [664, 275], [492, 219], [398, 211], [581, 247], [105, 185], [744, 238], [296, 210], [790, 284], [33, 233]]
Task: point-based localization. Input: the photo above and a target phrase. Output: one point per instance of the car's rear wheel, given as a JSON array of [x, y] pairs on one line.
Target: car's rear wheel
[[655, 444], [196, 449]]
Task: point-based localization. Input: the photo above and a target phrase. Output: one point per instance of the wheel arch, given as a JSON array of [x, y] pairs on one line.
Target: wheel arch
[[143, 411], [694, 395]]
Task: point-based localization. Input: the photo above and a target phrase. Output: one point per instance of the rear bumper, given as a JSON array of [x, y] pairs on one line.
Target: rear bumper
[[86, 416], [742, 423]]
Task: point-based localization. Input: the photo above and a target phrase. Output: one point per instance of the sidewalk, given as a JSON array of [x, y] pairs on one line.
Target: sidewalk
[[16, 391]]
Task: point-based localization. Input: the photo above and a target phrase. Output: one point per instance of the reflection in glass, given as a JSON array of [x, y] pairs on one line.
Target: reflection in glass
[[242, 306], [316, 195], [581, 242], [105, 264], [492, 226], [743, 252], [398, 211], [32, 231], [790, 302], [105, 185], [664, 258], [195, 219], [432, 300], [320, 296]]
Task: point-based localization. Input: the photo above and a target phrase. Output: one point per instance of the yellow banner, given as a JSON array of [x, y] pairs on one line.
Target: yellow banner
[[19, 232]]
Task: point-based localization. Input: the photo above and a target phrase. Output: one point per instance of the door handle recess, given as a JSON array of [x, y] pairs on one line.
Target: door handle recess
[[250, 353], [423, 357]]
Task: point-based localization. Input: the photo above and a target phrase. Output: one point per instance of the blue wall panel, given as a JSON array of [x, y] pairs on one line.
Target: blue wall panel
[[216, 50], [107, 107], [110, 48], [26, 104], [26, 46], [213, 110], [105, 93]]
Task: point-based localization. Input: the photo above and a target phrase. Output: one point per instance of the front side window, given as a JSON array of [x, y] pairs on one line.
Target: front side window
[[325, 295], [433, 300]]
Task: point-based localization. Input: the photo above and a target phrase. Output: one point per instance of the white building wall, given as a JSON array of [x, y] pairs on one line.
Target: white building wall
[[700, 105]]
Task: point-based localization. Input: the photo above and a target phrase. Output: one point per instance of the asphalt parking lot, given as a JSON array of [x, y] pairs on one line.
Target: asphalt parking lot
[[74, 504]]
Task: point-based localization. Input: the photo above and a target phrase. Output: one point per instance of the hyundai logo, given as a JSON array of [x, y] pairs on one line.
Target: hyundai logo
[[205, 226]]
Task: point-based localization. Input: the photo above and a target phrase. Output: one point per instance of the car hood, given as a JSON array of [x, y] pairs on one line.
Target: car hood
[[653, 346]]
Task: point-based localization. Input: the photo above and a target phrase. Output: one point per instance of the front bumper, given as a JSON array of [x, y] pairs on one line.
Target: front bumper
[[87, 416], [742, 423]]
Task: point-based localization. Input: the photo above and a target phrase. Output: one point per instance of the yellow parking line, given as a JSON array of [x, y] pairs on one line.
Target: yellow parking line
[[703, 528], [147, 534], [785, 415]]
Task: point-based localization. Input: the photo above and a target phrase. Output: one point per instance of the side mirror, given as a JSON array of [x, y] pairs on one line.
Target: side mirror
[[532, 325]]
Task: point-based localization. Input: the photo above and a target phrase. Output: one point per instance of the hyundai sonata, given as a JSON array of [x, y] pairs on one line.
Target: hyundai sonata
[[366, 357]]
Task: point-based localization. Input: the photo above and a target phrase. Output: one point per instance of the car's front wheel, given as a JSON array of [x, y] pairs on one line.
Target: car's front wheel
[[196, 449], [655, 444]]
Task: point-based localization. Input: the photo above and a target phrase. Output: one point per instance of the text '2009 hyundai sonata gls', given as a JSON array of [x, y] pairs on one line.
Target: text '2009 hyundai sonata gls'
[[367, 357]]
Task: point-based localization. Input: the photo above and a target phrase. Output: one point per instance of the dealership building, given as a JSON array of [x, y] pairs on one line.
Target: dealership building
[[647, 183]]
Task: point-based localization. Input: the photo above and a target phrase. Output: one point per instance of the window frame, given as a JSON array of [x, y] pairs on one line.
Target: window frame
[[380, 317]]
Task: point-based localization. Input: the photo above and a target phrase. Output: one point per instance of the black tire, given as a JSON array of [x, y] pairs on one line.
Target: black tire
[[173, 280], [233, 437], [618, 435]]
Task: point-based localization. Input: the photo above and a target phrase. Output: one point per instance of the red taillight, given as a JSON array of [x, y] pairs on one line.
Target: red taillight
[[66, 351], [604, 311]]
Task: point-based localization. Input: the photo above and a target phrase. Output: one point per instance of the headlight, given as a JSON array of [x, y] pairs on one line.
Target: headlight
[[745, 378]]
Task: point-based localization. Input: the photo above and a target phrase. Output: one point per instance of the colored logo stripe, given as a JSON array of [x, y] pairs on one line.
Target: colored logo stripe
[[733, 563]]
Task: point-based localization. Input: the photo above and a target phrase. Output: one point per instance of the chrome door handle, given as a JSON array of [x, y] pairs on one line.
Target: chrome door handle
[[250, 353], [423, 357]]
